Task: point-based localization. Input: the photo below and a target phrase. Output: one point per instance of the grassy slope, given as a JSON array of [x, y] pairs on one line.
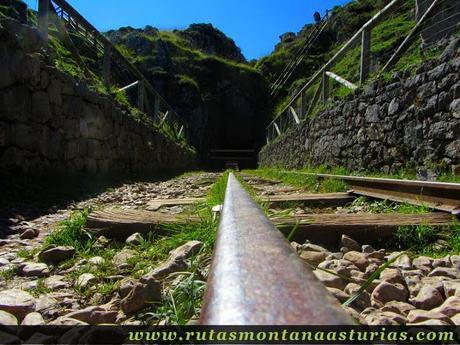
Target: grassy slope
[[385, 39]]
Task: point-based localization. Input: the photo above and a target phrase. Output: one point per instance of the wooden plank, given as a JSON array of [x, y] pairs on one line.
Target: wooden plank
[[325, 87], [294, 115], [155, 205], [309, 200], [120, 224], [341, 80], [328, 229], [315, 99], [127, 87]]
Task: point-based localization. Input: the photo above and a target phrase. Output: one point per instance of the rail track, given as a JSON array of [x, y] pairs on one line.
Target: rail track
[[256, 278]]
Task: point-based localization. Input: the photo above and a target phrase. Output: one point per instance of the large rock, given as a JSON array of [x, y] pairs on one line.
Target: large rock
[[427, 298], [141, 295], [56, 283], [451, 287], [57, 254], [7, 319], [17, 302], [445, 272], [135, 239], [386, 292], [123, 257], [94, 315]]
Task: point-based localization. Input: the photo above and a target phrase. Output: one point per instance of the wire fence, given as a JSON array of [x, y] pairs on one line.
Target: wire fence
[[430, 23]]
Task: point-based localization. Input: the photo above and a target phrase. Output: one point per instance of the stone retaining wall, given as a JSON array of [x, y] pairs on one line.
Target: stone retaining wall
[[407, 122], [49, 122]]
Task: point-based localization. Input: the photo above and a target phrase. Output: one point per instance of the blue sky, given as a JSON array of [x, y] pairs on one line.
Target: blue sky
[[255, 25]]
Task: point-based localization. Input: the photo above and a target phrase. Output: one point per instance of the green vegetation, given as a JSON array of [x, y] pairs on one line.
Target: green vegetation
[[427, 240], [387, 206], [71, 233]]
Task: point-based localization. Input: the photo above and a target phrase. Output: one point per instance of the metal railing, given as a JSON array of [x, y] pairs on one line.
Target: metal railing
[[299, 107], [117, 71], [256, 277]]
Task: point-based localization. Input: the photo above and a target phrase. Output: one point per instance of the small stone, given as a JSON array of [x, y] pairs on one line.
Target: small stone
[[392, 275], [367, 249], [313, 258], [65, 321], [350, 243], [385, 318], [450, 307], [45, 303], [334, 256], [33, 319], [339, 294], [56, 283], [140, 296], [103, 241], [430, 323], [341, 267], [427, 298], [135, 239], [456, 319], [416, 316], [451, 287], [364, 299], [423, 261], [32, 269], [186, 251], [85, 280], [29, 234], [126, 286], [445, 272], [380, 254], [403, 262], [455, 261], [313, 248], [4, 262], [401, 308], [386, 292], [358, 259], [97, 261], [329, 280], [444, 262], [57, 254], [7, 319], [123, 257], [17, 302]]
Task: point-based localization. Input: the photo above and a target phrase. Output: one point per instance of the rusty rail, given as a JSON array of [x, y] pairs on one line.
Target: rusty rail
[[440, 196], [256, 277]]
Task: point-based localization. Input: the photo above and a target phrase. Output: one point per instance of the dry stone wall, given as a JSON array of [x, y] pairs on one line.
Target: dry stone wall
[[411, 121], [50, 122]]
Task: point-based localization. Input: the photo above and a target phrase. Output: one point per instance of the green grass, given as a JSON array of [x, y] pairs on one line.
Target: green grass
[[71, 233], [429, 241], [387, 206]]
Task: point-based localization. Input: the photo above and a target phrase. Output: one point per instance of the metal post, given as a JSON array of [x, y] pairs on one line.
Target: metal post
[[325, 86], [43, 18], [365, 55], [106, 65]]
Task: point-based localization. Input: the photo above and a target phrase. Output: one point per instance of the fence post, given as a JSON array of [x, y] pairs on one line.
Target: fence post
[[140, 95], [106, 65], [325, 87], [43, 18], [303, 105], [365, 55]]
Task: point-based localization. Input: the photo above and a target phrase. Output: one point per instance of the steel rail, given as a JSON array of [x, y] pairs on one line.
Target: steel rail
[[442, 196], [256, 278]]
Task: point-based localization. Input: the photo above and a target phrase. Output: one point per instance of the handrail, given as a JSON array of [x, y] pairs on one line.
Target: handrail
[[374, 21], [256, 278]]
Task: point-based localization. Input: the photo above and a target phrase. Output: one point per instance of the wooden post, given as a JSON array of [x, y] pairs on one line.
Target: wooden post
[[106, 66], [365, 55], [325, 87], [43, 18], [140, 95]]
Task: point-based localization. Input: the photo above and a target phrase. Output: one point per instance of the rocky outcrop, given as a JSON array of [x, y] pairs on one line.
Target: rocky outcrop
[[409, 121], [51, 122]]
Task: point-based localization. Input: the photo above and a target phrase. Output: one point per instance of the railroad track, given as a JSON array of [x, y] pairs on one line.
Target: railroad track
[[257, 279]]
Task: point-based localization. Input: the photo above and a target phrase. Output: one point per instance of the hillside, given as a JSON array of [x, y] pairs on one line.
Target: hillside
[[344, 22]]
